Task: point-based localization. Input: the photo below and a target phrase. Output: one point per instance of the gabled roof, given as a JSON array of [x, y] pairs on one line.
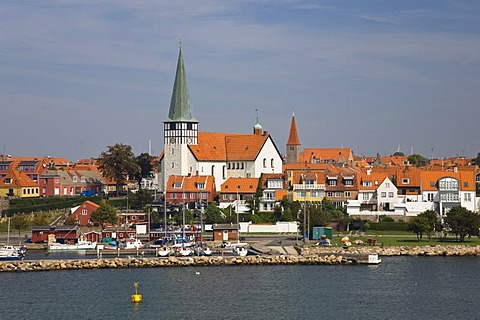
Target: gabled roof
[[190, 183], [216, 146], [375, 178], [466, 179], [17, 179], [335, 154], [240, 185]]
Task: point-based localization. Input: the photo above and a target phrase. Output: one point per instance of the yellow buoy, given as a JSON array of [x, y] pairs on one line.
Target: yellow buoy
[[136, 297]]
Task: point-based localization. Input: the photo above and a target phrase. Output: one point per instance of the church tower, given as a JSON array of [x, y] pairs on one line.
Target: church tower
[[293, 143], [180, 128]]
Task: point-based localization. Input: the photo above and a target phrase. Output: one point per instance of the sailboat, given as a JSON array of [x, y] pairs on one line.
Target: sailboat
[[239, 249], [9, 252]]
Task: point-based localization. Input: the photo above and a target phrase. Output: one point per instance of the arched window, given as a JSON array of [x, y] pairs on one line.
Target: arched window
[[264, 162], [213, 170], [271, 163]]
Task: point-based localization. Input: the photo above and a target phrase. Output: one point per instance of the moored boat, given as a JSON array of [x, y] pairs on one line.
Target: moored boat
[[11, 253], [80, 245], [164, 251], [240, 249]]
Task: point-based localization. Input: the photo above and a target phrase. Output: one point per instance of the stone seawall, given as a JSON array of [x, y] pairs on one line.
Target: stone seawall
[[116, 263], [438, 250]]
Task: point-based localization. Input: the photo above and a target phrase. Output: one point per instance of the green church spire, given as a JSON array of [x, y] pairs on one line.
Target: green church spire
[[180, 103]]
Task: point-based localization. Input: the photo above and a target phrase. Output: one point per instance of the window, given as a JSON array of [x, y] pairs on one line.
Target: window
[[390, 194], [213, 170], [383, 195], [430, 197], [82, 179], [84, 212], [338, 194], [330, 194], [332, 182], [173, 196], [264, 162], [301, 194], [201, 185], [465, 184], [314, 194], [225, 196], [366, 196], [387, 184], [177, 185], [367, 183], [192, 195], [348, 182], [347, 194], [271, 163], [467, 197], [173, 164], [405, 181], [376, 182]]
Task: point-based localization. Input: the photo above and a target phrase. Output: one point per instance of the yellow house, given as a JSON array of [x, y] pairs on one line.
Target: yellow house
[[308, 188], [18, 184]]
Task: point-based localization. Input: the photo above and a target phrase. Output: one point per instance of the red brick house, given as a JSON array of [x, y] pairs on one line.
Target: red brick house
[[225, 232], [83, 212]]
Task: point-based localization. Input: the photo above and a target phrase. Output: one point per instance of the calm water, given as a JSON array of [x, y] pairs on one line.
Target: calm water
[[399, 288]]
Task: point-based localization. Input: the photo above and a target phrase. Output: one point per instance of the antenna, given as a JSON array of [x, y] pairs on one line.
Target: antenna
[[150, 147]]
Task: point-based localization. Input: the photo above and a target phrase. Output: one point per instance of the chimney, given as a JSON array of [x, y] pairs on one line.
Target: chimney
[[265, 133]]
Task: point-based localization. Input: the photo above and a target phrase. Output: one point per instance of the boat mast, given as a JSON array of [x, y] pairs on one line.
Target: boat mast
[[8, 232]]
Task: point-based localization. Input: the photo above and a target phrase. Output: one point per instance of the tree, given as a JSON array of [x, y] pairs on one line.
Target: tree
[[418, 225], [213, 214], [104, 214], [398, 154], [462, 222], [146, 164], [477, 159], [20, 222], [118, 163], [433, 222], [417, 160], [140, 199]]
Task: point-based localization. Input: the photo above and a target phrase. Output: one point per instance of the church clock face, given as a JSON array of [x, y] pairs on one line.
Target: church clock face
[[189, 140], [172, 140]]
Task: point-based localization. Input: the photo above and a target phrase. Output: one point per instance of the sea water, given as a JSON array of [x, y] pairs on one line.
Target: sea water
[[398, 288]]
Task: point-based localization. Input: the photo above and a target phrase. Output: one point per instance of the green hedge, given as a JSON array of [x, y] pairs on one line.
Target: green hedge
[[46, 204], [388, 226]]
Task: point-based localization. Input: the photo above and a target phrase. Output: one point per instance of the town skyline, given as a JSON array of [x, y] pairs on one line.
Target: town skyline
[[81, 76]]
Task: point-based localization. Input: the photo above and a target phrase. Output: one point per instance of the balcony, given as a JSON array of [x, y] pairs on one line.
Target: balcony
[[267, 199], [297, 187]]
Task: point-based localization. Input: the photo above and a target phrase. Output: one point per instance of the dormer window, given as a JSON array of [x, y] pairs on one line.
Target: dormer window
[[177, 185], [367, 183], [405, 181], [74, 178], [8, 180], [201, 185], [82, 179]]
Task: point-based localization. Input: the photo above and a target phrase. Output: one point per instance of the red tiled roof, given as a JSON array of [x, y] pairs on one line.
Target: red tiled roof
[[189, 183], [293, 137], [242, 185], [216, 146]]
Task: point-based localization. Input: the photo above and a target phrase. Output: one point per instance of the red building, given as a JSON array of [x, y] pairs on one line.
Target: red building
[[83, 212], [191, 190], [63, 234], [225, 232]]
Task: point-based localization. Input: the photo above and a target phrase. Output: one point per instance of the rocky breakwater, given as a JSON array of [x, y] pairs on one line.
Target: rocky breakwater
[[117, 263], [437, 250]]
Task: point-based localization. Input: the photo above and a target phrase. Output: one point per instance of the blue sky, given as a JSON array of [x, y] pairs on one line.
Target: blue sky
[[78, 76]]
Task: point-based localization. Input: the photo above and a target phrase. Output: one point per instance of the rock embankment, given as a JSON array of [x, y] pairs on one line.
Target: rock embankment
[[116, 263], [438, 250]]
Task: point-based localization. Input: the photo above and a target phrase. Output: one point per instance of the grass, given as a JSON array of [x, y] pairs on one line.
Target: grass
[[406, 239]]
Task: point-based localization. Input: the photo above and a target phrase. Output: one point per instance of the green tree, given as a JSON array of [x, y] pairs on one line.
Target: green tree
[[433, 222], [398, 154], [145, 163], [213, 214], [462, 222], [40, 219], [140, 199], [417, 160], [418, 225], [104, 214], [20, 222], [118, 163]]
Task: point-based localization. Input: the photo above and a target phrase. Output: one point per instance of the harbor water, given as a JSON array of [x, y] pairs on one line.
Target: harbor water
[[399, 288]]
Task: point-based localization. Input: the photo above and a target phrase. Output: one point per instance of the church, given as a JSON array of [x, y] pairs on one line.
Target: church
[[188, 151]]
